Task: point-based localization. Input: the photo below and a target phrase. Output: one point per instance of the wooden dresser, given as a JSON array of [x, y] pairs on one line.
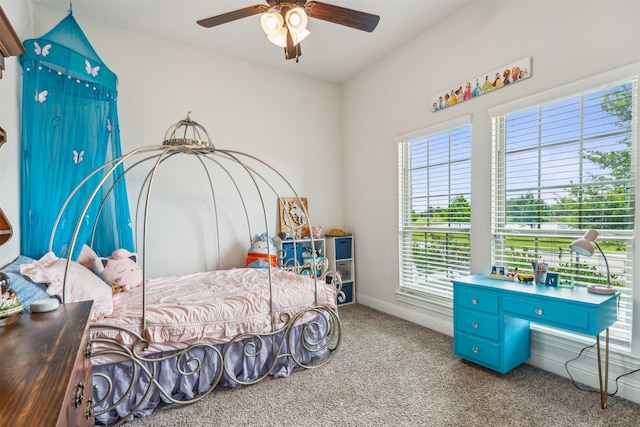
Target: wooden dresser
[[45, 376]]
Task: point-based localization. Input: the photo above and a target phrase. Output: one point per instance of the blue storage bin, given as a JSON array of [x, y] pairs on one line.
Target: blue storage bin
[[292, 251], [347, 288], [343, 248]]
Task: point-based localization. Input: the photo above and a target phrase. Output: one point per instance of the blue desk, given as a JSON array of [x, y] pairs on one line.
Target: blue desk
[[491, 320]]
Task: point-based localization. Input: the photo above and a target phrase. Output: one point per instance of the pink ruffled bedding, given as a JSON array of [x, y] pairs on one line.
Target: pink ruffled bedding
[[213, 307]]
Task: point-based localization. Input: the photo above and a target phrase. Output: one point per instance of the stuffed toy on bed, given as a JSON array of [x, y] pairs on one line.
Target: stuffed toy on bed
[[120, 270], [262, 248]]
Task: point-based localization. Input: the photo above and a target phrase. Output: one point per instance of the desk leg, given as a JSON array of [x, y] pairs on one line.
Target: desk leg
[[604, 393]]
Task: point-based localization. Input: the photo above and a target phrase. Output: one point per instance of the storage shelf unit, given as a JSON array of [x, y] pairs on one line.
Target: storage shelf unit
[[340, 252], [293, 250]]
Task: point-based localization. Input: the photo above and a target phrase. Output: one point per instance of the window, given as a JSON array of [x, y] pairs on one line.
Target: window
[[435, 206], [560, 168]]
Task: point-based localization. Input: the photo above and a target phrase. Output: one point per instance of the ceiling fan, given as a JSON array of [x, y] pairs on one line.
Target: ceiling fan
[[285, 22]]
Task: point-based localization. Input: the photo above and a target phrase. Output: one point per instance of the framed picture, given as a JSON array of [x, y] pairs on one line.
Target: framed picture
[[293, 217], [551, 279]]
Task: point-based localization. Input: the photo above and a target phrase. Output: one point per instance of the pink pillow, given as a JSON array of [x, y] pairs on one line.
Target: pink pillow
[[87, 257], [82, 284]]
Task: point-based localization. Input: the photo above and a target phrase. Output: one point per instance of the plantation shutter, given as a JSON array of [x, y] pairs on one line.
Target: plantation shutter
[[561, 168], [435, 201]]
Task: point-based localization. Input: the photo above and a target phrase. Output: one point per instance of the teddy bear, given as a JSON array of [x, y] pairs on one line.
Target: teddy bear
[[120, 270]]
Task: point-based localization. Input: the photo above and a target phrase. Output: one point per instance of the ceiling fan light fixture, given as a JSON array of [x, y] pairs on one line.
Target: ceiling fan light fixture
[[296, 19], [272, 23], [297, 38], [285, 21], [280, 39]]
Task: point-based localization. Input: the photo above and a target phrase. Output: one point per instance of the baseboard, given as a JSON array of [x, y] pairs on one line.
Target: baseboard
[[549, 351], [429, 318]]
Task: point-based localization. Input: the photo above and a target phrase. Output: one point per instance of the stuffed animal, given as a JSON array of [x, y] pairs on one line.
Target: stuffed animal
[[262, 248], [120, 270]]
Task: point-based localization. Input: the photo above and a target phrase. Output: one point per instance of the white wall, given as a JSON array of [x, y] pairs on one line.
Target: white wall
[[19, 13], [567, 40], [291, 122]]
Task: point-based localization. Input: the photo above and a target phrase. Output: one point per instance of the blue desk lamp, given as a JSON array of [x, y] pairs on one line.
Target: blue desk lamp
[[586, 246]]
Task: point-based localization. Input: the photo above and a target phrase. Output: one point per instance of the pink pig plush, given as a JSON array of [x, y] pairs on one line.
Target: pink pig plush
[[121, 268]]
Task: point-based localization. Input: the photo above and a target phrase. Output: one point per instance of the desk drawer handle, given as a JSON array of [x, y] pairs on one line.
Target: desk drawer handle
[[474, 301], [475, 325], [539, 311], [475, 349]]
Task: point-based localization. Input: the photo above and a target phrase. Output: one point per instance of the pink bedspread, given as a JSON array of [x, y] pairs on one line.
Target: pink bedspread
[[213, 307]]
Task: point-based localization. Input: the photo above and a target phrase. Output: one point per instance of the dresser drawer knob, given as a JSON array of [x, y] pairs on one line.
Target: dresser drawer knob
[[539, 311], [475, 325], [474, 301], [475, 349]]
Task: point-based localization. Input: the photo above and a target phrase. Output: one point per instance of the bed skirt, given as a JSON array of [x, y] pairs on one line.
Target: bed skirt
[[138, 383]]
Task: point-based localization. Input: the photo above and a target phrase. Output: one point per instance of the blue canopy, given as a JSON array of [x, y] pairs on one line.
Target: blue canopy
[[70, 128]]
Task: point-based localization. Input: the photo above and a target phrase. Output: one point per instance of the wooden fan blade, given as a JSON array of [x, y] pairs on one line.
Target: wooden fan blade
[[234, 15], [341, 15]]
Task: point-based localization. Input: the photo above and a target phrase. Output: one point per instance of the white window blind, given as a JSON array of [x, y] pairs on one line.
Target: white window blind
[[435, 202], [559, 169]]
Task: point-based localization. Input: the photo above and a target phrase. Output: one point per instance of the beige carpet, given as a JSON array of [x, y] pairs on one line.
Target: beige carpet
[[390, 372]]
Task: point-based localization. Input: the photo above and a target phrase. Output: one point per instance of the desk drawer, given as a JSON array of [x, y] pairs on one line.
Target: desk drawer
[[547, 313], [477, 350], [476, 300], [477, 323]]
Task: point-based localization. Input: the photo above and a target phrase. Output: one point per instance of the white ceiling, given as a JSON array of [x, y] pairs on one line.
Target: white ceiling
[[331, 52]]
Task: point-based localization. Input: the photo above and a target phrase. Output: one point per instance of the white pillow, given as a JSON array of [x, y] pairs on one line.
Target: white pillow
[[82, 284]]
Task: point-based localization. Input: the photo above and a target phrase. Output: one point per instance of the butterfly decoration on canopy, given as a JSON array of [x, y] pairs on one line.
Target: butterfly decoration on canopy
[[78, 156], [93, 71], [44, 51], [41, 96]]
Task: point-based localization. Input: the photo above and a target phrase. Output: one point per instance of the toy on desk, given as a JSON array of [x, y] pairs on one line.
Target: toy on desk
[[499, 272], [565, 283], [525, 278], [499, 269]]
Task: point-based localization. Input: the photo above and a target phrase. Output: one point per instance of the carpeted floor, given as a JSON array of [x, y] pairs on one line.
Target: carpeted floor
[[390, 372]]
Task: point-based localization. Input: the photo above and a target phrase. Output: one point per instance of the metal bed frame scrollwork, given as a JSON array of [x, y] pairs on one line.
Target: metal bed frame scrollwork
[[317, 340]]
